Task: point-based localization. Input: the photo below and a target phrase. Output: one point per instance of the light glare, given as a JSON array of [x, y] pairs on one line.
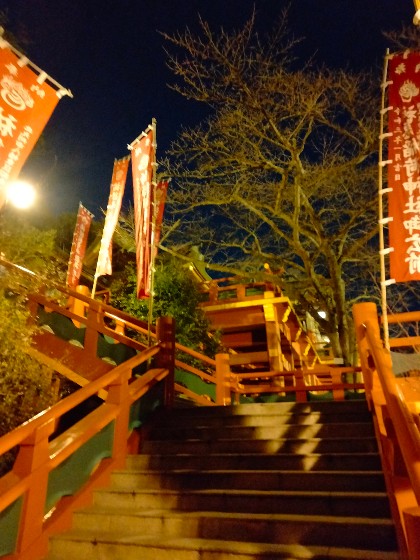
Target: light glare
[[21, 194]]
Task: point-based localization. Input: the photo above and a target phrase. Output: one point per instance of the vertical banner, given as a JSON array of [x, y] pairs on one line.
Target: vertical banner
[[404, 165], [119, 175], [143, 161], [26, 104], [159, 197], [78, 248]]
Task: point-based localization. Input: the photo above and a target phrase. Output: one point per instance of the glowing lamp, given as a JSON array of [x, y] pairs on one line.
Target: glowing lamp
[[21, 194]]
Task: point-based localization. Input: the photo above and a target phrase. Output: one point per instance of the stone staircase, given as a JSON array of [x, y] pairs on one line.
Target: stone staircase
[[249, 482]]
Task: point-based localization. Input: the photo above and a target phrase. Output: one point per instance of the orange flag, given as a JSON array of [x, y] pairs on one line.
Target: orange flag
[[404, 165], [119, 175], [26, 103], [143, 159], [78, 248]]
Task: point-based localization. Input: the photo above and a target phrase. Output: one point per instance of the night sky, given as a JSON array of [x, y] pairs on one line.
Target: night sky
[[110, 55]]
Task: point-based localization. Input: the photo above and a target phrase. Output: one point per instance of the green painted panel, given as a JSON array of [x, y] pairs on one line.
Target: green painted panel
[[146, 405], [357, 395], [74, 472], [9, 527], [195, 384], [62, 326], [324, 396], [114, 351]]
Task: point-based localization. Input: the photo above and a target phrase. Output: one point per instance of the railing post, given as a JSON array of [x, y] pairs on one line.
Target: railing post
[[118, 394], [363, 312], [412, 528], [273, 335], [337, 381], [213, 292], [93, 321], [241, 292], [32, 461], [165, 334], [301, 393], [223, 373], [77, 306]]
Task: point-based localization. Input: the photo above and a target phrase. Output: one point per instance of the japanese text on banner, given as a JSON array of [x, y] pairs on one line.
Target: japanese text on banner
[[78, 248], [142, 167], [26, 104], [404, 167], [119, 175]]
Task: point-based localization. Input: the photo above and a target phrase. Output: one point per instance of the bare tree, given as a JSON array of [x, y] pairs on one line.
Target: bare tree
[[282, 171]]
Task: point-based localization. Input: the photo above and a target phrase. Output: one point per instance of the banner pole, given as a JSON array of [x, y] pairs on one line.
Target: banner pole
[[381, 193], [153, 236], [95, 281]]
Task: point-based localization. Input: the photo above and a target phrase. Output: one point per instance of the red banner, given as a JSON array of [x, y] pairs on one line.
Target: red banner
[[26, 104], [404, 166], [78, 248], [143, 154], [119, 175], [159, 199]]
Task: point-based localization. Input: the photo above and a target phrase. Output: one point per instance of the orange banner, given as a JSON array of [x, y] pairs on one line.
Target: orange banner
[[26, 104], [143, 154], [119, 175], [78, 247], [404, 165]]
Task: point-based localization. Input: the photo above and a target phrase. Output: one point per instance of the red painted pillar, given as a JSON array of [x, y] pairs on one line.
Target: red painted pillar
[[165, 333]]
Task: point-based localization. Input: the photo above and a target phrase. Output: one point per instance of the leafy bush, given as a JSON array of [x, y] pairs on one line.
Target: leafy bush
[[176, 294], [25, 385]]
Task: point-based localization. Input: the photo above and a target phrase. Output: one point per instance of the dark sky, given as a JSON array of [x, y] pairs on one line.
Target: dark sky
[[109, 53]]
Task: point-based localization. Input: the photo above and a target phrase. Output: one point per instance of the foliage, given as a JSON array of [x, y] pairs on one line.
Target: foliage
[[25, 244], [25, 385], [176, 294], [282, 171]]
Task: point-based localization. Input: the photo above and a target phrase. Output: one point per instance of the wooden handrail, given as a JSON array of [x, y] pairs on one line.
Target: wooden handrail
[[407, 431], [195, 371], [16, 436], [38, 456], [397, 428]]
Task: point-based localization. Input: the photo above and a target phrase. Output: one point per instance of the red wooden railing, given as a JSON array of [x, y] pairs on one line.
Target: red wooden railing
[[235, 289], [40, 454], [30, 501], [395, 404]]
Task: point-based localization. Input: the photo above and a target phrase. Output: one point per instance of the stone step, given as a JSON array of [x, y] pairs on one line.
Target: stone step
[[82, 547], [286, 418], [125, 525], [212, 483], [267, 446], [258, 461], [341, 481], [354, 408], [340, 504], [336, 430]]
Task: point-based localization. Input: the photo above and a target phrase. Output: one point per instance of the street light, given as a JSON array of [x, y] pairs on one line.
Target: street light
[[416, 18], [21, 194]]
